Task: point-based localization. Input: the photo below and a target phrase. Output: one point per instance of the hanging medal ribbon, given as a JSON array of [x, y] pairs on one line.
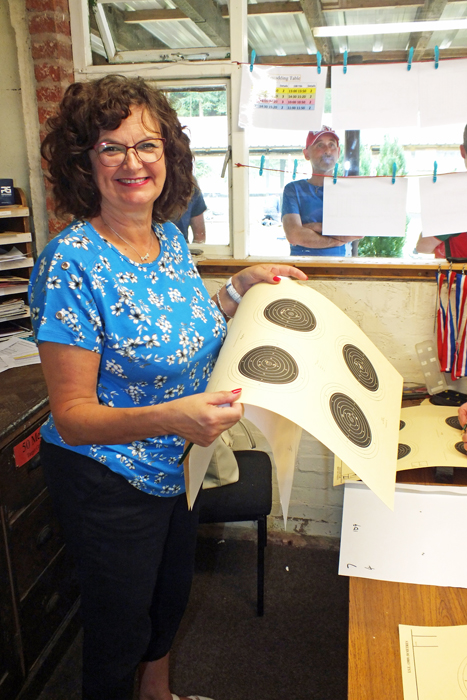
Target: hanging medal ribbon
[[459, 368], [440, 314], [449, 334]]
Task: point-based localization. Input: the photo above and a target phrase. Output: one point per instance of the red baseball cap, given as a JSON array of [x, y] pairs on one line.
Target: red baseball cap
[[314, 135]]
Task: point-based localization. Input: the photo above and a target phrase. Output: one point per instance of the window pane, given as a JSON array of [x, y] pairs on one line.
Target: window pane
[[160, 31], [203, 112]]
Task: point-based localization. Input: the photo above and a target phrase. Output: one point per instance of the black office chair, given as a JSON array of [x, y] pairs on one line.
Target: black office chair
[[250, 498]]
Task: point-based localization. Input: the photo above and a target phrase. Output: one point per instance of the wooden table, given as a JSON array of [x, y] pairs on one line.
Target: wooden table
[[376, 609]]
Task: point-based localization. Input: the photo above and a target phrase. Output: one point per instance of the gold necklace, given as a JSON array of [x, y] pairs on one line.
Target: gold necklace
[[143, 257]]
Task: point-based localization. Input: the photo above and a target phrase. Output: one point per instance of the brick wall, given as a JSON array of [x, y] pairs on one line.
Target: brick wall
[[49, 27]]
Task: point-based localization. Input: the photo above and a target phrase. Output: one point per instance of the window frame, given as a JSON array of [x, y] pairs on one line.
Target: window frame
[[188, 73]]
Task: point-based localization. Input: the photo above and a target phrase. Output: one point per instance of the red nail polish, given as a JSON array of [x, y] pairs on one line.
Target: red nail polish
[[236, 391], [276, 279]]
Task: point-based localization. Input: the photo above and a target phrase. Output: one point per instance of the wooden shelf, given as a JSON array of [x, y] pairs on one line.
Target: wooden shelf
[[14, 210], [11, 237], [15, 232]]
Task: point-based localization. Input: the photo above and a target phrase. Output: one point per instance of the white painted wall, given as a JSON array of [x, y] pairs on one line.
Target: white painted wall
[[13, 154], [395, 315]]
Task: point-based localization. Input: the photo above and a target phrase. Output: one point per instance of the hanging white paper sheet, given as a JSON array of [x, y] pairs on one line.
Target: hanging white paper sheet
[[367, 97], [442, 204], [434, 662], [282, 97], [443, 97], [367, 206], [299, 358], [421, 541]]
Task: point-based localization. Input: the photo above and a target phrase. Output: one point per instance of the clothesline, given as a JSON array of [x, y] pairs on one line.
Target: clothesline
[[361, 177]]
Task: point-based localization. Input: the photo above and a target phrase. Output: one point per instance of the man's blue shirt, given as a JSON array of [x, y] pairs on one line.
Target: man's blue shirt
[[306, 200]]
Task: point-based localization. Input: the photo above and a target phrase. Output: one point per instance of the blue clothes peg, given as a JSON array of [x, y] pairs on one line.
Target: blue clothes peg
[[394, 168], [435, 171], [436, 56], [318, 61], [252, 60], [409, 63], [261, 165], [345, 60], [334, 179], [295, 164]]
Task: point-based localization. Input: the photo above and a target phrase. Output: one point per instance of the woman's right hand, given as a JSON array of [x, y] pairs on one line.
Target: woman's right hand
[[462, 412], [201, 418]]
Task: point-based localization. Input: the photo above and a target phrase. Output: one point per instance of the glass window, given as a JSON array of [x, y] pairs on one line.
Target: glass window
[[203, 112], [159, 31]]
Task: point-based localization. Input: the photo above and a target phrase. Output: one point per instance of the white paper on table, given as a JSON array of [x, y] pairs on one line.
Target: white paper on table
[[421, 541], [368, 97], [442, 204], [17, 352], [366, 206], [302, 376], [443, 98], [434, 662], [282, 97]]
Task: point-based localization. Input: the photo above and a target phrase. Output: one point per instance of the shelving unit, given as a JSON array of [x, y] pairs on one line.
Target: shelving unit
[[15, 232]]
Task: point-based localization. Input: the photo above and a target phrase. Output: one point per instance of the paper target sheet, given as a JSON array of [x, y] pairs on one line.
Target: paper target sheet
[[429, 436], [301, 362], [434, 662]]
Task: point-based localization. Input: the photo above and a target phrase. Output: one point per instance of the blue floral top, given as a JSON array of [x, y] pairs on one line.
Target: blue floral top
[[154, 325]]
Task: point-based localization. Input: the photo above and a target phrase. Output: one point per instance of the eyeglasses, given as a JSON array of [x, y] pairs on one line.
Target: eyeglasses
[[114, 154]]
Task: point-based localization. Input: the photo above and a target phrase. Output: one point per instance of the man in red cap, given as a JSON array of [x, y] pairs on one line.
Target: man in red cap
[[302, 204], [452, 246]]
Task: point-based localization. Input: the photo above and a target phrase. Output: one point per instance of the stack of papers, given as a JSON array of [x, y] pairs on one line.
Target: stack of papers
[[9, 254], [17, 352], [12, 308], [12, 284], [10, 329]]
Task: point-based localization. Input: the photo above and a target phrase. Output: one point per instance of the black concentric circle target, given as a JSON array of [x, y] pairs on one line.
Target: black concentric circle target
[[361, 367], [269, 364], [403, 450], [290, 314], [460, 447], [453, 422], [350, 419], [401, 424]]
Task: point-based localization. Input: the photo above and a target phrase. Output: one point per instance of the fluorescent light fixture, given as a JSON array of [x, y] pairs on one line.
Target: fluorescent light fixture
[[390, 28]]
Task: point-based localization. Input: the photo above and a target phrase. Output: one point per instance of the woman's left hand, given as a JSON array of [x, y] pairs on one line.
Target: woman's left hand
[[249, 276]]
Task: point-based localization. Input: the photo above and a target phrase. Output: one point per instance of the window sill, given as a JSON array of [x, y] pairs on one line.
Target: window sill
[[343, 268]]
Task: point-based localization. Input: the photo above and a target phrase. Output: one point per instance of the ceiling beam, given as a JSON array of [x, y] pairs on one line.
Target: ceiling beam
[[430, 10], [315, 18], [356, 58], [207, 16]]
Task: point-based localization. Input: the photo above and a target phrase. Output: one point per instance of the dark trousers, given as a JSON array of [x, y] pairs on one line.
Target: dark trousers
[[134, 554]]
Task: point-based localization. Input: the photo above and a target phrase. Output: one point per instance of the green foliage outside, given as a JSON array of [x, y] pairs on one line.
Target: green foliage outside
[[206, 103]]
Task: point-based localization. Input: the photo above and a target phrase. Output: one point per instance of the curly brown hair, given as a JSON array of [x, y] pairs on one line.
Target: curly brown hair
[[85, 110]]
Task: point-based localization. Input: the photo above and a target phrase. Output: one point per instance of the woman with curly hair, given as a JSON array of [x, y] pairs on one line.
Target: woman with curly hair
[[128, 337]]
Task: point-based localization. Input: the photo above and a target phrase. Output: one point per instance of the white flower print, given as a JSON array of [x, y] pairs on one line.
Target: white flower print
[[115, 368], [184, 339], [75, 282], [42, 266], [136, 315], [117, 308], [164, 324], [182, 355], [159, 381], [53, 282], [175, 295], [151, 340]]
